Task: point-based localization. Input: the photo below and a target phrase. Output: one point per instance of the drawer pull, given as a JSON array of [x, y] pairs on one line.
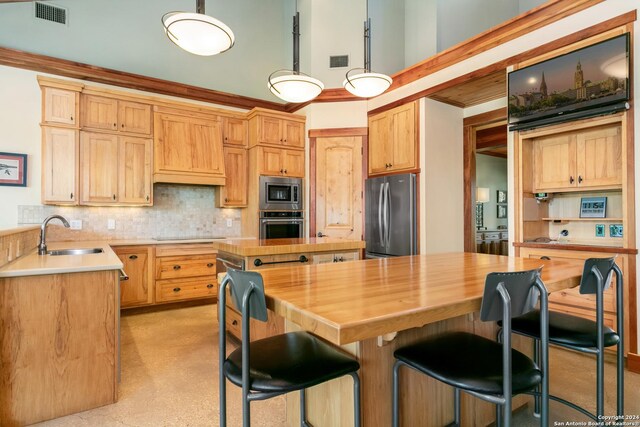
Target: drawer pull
[[176, 289], [176, 267], [133, 256], [234, 323], [209, 286], [545, 257], [258, 262], [210, 265]]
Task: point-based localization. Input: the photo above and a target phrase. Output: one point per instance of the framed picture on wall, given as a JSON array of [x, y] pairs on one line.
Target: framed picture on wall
[[501, 196], [501, 211], [13, 169]]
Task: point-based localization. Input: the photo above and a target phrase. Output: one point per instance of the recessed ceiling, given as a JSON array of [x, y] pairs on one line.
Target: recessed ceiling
[[473, 92]]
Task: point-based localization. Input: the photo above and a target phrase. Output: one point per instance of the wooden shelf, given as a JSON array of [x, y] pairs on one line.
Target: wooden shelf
[[583, 219]]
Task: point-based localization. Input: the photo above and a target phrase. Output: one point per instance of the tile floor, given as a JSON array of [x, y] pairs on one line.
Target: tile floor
[[169, 378]]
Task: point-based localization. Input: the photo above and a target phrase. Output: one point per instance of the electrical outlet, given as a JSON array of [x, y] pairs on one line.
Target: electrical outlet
[[599, 230], [111, 224], [229, 222], [76, 224], [615, 230]]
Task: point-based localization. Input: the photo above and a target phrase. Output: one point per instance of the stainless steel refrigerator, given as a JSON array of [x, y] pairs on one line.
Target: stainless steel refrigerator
[[390, 216]]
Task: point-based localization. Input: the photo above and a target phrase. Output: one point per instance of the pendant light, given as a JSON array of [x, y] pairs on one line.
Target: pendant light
[[292, 85], [198, 33], [366, 84]]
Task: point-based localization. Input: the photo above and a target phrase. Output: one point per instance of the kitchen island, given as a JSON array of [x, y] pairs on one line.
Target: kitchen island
[[374, 306]]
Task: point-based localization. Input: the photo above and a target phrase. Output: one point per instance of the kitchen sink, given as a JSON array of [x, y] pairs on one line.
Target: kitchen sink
[[83, 251]]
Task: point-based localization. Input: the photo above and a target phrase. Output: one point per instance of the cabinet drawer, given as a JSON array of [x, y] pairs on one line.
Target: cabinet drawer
[[234, 322], [185, 249], [197, 265], [175, 290], [492, 236], [575, 298]]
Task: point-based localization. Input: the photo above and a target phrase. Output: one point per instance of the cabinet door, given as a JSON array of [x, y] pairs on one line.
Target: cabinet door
[[60, 166], [379, 152], [60, 106], [599, 157], [554, 163], [135, 170], [234, 192], [172, 147], [134, 117], [99, 112], [293, 163], [137, 290], [293, 133], [403, 138], [270, 161], [99, 167], [269, 130], [206, 140], [235, 131]]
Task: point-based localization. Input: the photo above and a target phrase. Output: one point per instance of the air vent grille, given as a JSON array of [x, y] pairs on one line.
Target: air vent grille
[[339, 61], [51, 13]]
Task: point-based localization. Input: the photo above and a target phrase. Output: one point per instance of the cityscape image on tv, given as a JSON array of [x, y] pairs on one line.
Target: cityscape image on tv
[[591, 76]]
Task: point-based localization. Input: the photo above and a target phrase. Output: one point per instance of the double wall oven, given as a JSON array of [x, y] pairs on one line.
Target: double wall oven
[[281, 212]]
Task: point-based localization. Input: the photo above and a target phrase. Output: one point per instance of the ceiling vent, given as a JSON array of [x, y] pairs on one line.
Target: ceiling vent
[[49, 12], [339, 61]]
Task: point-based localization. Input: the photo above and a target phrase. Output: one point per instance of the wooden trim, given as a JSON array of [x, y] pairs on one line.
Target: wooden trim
[[486, 118], [583, 248], [632, 290], [601, 27], [312, 186], [633, 362], [62, 67], [325, 133]]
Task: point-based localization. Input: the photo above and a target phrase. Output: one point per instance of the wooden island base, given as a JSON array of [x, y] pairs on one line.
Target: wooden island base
[[423, 400]]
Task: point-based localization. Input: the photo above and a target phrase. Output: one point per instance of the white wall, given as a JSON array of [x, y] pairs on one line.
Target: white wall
[[421, 31], [491, 173], [443, 190], [20, 111], [387, 35]]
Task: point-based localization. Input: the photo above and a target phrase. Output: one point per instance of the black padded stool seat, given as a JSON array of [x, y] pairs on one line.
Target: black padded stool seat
[[479, 369], [302, 361], [564, 329]]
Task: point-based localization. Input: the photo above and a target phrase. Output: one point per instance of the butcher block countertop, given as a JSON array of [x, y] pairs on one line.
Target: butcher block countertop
[[354, 301], [258, 247]]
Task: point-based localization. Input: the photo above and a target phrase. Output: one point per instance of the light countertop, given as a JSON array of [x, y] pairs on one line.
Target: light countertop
[[261, 247], [33, 264]]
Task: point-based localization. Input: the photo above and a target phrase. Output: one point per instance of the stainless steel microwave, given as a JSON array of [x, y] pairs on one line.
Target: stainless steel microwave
[[278, 193]]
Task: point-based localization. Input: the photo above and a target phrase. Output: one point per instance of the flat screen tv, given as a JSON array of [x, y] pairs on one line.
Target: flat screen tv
[[586, 82]]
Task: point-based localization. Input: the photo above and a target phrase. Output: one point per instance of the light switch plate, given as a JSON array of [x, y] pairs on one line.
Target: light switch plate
[[615, 230], [75, 224], [599, 230], [111, 224]]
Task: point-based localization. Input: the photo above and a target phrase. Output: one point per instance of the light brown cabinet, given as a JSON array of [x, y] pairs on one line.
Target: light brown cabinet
[[393, 140], [326, 258], [110, 114], [234, 193], [276, 129], [188, 150], [184, 272], [280, 162], [137, 263], [589, 159], [115, 169], [60, 106], [236, 131], [60, 157]]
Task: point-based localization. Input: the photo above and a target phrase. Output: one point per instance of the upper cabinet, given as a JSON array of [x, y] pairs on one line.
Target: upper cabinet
[[188, 150], [60, 166], [60, 106], [276, 129], [279, 162], [574, 161], [236, 131], [393, 140], [110, 114]]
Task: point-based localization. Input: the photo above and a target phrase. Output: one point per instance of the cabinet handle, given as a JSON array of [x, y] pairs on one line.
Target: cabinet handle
[[226, 200], [123, 126], [176, 267], [281, 170], [114, 197], [579, 179], [71, 196], [71, 117], [390, 165], [210, 265], [133, 257], [226, 139], [115, 125], [176, 289], [147, 198], [234, 323], [280, 139], [209, 286], [571, 180], [285, 171], [545, 257]]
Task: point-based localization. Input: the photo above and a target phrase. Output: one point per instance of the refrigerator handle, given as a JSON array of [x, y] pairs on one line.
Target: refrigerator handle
[[388, 214], [380, 214]]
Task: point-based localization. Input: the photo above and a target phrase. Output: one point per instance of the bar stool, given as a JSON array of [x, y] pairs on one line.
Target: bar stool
[[585, 335], [276, 365], [481, 367]]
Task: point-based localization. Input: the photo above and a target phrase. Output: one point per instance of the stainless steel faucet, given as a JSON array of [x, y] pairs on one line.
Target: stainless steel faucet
[[42, 246]]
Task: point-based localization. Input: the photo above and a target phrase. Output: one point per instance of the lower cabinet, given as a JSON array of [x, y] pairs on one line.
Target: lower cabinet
[[325, 258], [138, 264]]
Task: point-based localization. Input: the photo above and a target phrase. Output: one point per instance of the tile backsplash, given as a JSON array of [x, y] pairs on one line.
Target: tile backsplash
[[180, 211]]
